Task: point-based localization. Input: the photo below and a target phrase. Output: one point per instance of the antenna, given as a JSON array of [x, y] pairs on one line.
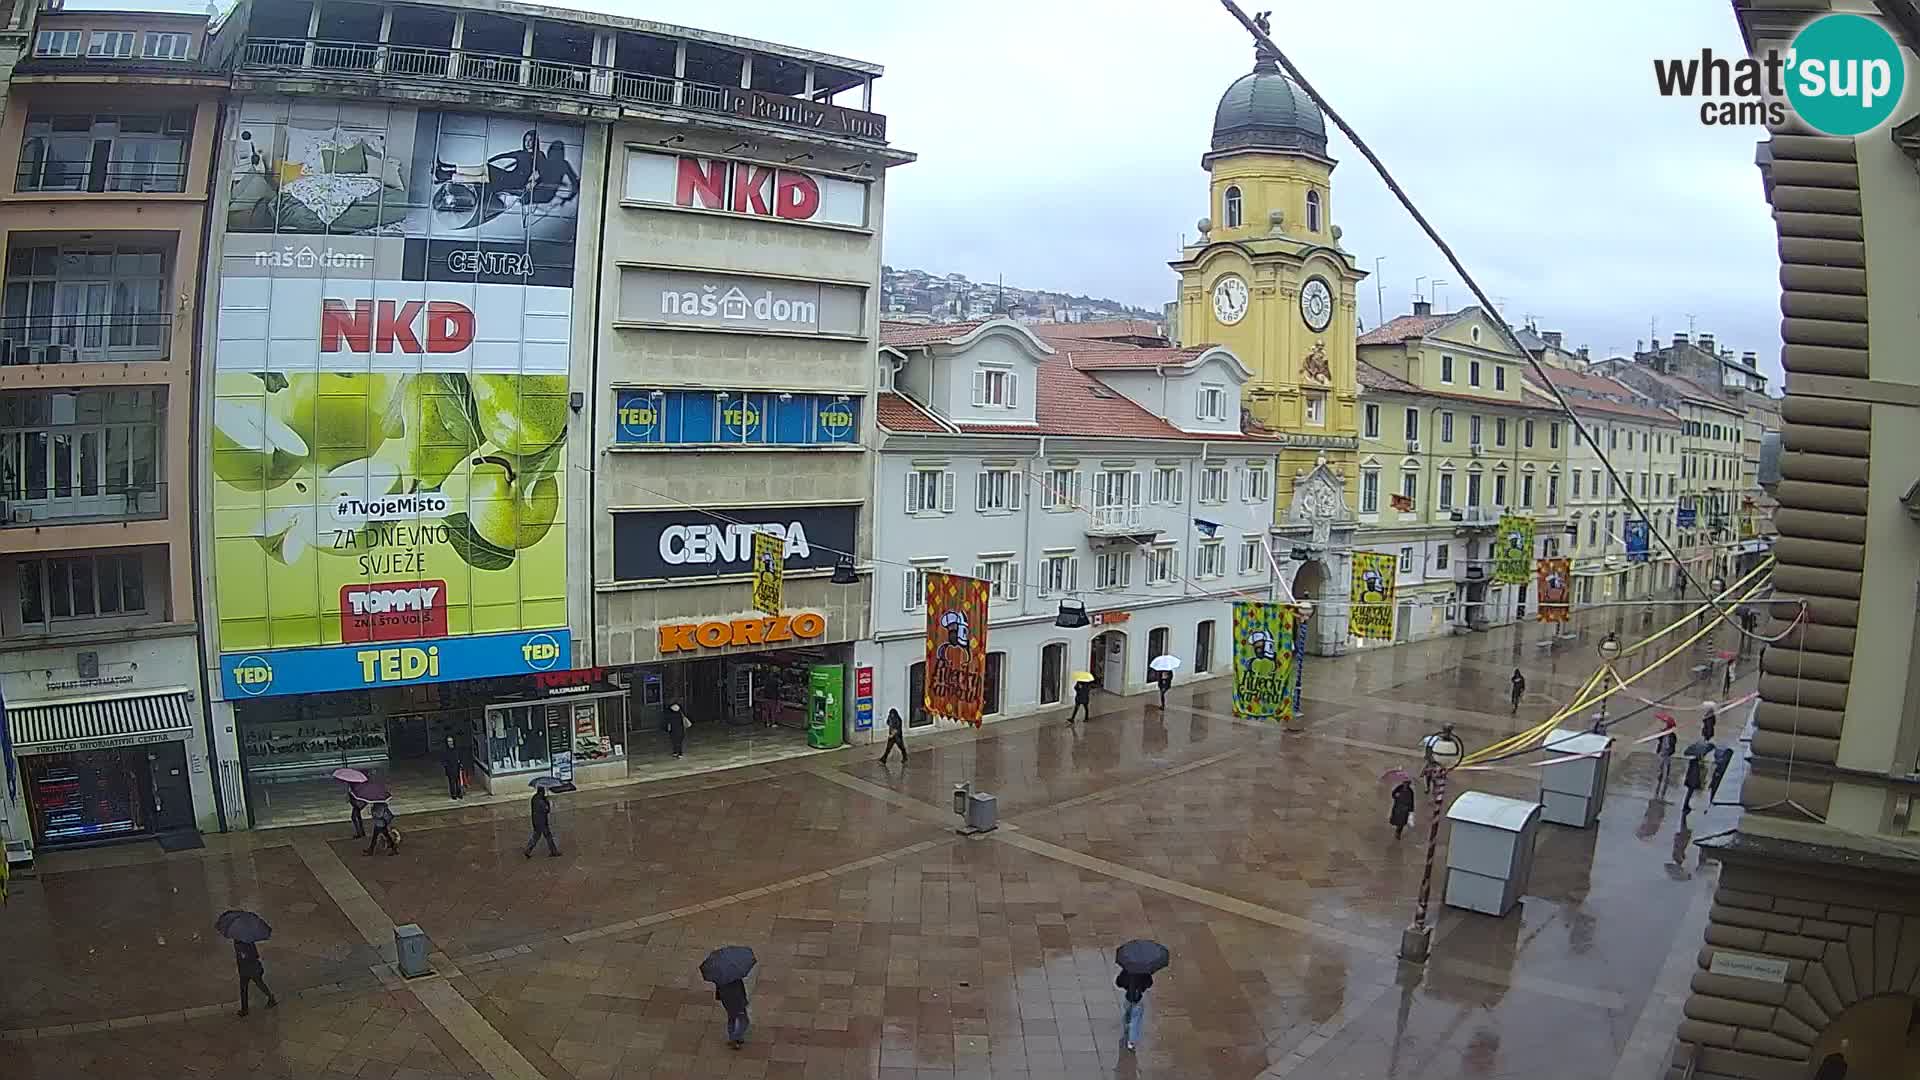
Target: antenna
[[1416, 286], [1689, 326]]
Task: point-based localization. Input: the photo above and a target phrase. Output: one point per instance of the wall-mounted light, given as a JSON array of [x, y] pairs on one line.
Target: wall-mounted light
[[799, 157], [577, 400], [670, 140], [736, 146]]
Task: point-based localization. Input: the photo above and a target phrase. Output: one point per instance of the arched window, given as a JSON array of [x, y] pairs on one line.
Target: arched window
[[1313, 211], [1231, 210]]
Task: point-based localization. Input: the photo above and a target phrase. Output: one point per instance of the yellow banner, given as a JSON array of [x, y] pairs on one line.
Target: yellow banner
[[769, 572], [1513, 550], [1371, 616]]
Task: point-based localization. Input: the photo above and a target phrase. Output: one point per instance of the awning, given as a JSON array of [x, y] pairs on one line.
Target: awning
[[105, 719]]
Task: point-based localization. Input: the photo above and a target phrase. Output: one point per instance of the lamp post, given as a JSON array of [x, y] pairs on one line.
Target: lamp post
[[1442, 750], [1609, 652]]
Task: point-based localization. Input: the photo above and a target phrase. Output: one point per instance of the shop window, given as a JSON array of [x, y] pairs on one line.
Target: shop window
[[1157, 639], [1053, 669], [996, 674], [1203, 647], [517, 739], [917, 696]]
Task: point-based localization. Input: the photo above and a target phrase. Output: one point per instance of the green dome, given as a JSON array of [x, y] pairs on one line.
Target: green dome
[[1266, 110]]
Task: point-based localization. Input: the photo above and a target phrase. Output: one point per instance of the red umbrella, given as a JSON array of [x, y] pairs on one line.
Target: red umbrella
[[1726, 654], [1665, 718], [350, 776]]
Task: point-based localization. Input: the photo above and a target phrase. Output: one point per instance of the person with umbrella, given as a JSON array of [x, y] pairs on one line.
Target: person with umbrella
[[1709, 721], [1138, 960], [1696, 777], [355, 804], [677, 730], [246, 930], [382, 821], [1519, 687], [896, 736], [727, 968], [1664, 747], [542, 818], [1163, 669], [1402, 810], [1082, 697], [1722, 759], [450, 764]]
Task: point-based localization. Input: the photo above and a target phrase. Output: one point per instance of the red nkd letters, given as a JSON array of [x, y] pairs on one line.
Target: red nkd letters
[[742, 188], [389, 325]]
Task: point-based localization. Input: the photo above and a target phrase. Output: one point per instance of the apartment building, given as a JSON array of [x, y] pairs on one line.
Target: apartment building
[[1103, 477]]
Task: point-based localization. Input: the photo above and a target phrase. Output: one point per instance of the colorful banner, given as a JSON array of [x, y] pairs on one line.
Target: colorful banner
[[769, 571], [956, 647], [1513, 550], [1556, 589], [1637, 540], [1371, 615], [391, 377], [1268, 645]]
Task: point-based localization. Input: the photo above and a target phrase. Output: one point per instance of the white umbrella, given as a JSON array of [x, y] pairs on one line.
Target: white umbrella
[[1165, 663]]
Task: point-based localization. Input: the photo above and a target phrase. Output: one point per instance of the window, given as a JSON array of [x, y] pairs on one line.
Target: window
[[997, 490], [1526, 433], [1313, 211], [1053, 672], [104, 152], [1169, 485], [1406, 560], [1002, 573], [1203, 647], [1213, 403], [110, 44], [1473, 373], [1526, 490], [1112, 570], [1413, 425], [1213, 484], [105, 304], [1253, 556], [1210, 561], [1499, 377], [1254, 485], [1593, 530], [1613, 438], [1499, 431], [1446, 491], [1116, 497], [1473, 489], [1553, 490], [1163, 563], [57, 43], [1499, 489], [1473, 430], [1577, 474], [1446, 368], [1371, 417], [930, 491], [1409, 487], [1316, 407], [1643, 485], [81, 587], [1062, 491], [1553, 435], [1442, 555], [1059, 573], [1673, 484], [1230, 210], [1446, 427], [1369, 491], [913, 587], [158, 46], [996, 388], [84, 453]]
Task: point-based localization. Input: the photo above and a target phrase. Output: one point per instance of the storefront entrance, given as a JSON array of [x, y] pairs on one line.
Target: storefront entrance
[[745, 708], [1107, 660], [92, 796]]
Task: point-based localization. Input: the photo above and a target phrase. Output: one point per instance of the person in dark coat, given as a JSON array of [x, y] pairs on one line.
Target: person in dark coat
[[1708, 722], [1695, 779], [1722, 759], [1665, 746], [542, 824], [359, 823], [1082, 701], [1165, 679], [383, 827], [733, 998], [1726, 685], [677, 730], [1519, 687], [450, 764], [246, 959], [896, 736], [1402, 807], [1134, 1018]]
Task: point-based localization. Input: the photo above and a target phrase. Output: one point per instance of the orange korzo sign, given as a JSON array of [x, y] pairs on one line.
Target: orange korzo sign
[[772, 630]]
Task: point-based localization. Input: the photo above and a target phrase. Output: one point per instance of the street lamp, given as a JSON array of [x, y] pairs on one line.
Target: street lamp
[[1609, 652], [1441, 752]]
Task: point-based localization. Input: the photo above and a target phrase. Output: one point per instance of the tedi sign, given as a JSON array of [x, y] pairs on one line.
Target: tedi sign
[[1843, 75]]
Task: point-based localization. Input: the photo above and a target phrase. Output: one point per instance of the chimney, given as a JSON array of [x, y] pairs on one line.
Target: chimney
[[1583, 354], [1750, 359], [1422, 307], [1553, 338], [1679, 340], [1706, 342]]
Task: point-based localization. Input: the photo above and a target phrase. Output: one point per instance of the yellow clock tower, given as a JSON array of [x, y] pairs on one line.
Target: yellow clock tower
[[1269, 280]]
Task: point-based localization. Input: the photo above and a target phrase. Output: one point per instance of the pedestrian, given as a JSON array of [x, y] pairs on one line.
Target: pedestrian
[[356, 804], [1136, 984], [1165, 679], [1722, 758], [383, 827], [1695, 779], [733, 998], [246, 959], [1082, 701], [677, 730], [1402, 807], [450, 764], [896, 736], [1665, 746], [1519, 687], [542, 825], [1708, 722], [1726, 685]]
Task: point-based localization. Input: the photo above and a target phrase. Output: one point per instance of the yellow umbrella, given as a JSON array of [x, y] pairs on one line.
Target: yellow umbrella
[[1083, 676]]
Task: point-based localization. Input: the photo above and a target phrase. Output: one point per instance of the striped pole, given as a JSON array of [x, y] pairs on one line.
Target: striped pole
[[1437, 780]]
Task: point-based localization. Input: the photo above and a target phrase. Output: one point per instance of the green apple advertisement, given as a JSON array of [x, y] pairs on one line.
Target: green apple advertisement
[[391, 401]]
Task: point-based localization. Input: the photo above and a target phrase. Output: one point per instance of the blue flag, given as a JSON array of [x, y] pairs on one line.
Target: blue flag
[[1207, 528]]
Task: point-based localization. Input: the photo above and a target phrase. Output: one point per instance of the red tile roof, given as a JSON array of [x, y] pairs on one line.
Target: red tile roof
[[1093, 356], [1098, 331], [899, 413], [1372, 378], [906, 334], [1569, 380], [1399, 329], [1583, 405]]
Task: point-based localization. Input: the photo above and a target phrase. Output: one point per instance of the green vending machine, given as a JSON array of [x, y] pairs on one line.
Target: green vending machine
[[826, 685]]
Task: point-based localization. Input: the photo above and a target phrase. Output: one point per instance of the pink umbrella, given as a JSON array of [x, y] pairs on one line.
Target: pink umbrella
[[1395, 775], [1726, 654], [350, 776]]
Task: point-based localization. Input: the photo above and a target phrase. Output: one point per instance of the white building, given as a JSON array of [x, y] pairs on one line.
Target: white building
[[1643, 443], [1112, 476]]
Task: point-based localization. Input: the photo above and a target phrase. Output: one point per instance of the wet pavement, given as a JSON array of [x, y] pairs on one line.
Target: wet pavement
[[889, 946]]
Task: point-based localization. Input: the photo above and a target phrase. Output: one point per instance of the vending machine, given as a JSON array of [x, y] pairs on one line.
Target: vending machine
[[826, 689]]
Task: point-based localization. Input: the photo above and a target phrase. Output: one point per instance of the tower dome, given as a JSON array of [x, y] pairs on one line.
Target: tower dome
[[1266, 110]]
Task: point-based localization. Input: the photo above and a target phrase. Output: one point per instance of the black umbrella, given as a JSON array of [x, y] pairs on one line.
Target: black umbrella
[[242, 926], [728, 963], [551, 783], [1700, 748], [1141, 957]]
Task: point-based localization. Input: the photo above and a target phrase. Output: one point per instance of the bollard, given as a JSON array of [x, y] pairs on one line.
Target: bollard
[[961, 793], [410, 944]]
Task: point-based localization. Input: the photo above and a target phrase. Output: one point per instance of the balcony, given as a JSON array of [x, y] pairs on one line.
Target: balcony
[[79, 339], [114, 175], [78, 503]]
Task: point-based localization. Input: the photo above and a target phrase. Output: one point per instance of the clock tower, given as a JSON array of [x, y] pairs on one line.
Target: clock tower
[[1268, 279]]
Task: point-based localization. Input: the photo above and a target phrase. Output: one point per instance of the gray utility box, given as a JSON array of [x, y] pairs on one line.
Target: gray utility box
[[1489, 851], [1571, 792], [983, 812], [410, 942]]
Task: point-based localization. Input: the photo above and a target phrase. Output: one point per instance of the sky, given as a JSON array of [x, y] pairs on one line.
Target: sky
[[1059, 145]]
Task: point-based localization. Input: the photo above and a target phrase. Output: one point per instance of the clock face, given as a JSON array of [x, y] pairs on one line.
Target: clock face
[[1230, 299], [1316, 304]]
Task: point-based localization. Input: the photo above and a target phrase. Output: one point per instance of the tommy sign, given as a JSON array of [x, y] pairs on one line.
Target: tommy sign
[[751, 189], [666, 544], [725, 302]]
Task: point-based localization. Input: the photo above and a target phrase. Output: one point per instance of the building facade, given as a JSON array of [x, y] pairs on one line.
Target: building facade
[[1109, 477], [1613, 559], [107, 143]]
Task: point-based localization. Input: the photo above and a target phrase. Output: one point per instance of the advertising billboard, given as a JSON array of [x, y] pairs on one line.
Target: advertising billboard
[[1269, 645], [391, 394], [746, 188], [1513, 550], [734, 418], [697, 300], [689, 543]]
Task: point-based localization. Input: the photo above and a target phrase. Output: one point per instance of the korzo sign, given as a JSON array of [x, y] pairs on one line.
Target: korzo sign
[[669, 544]]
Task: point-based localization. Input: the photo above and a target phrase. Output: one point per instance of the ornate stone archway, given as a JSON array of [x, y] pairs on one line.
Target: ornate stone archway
[[1315, 545]]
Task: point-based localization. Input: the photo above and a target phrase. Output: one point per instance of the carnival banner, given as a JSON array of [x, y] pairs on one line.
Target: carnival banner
[[1637, 540], [769, 571], [1513, 550], [1556, 589], [1267, 650], [1371, 616], [956, 647]]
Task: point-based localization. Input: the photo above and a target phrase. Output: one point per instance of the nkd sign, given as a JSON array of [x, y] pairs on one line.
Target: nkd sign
[[725, 186], [725, 302]]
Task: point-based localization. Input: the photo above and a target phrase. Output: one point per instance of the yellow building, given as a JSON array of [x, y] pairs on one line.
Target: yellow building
[[1269, 280]]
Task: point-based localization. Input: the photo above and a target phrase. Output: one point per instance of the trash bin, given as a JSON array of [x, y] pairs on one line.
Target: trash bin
[[983, 812], [1489, 851], [410, 942]]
